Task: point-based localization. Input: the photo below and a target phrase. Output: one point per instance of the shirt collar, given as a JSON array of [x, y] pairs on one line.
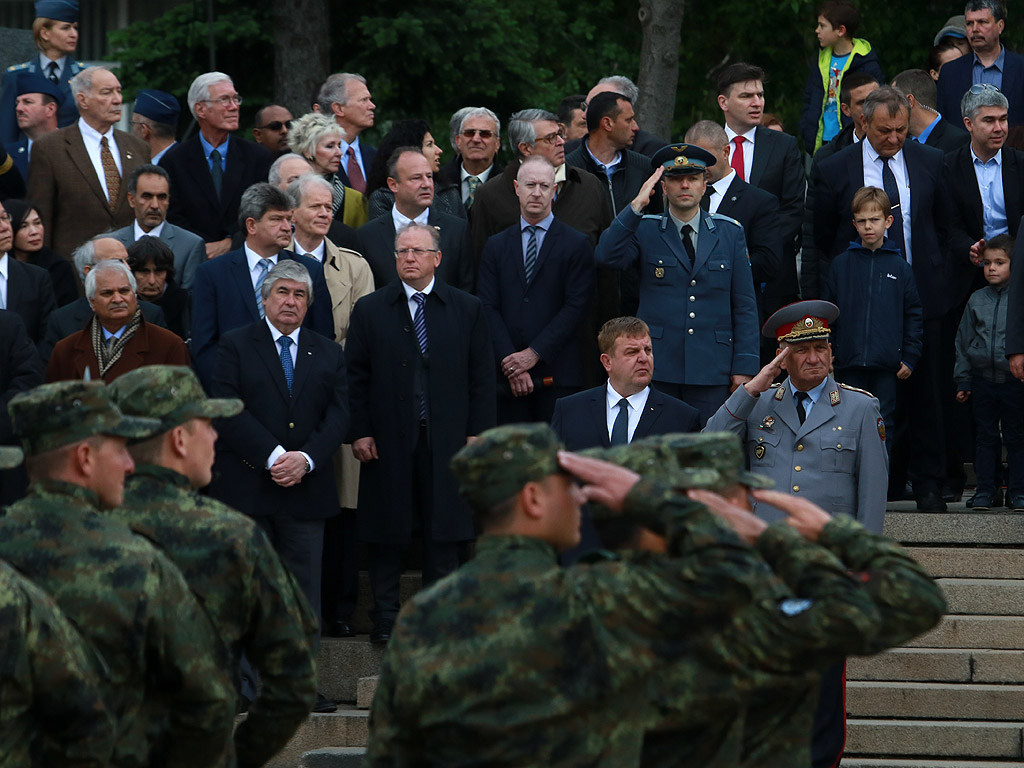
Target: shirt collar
[[44, 64], [814, 394], [401, 220], [928, 131], [154, 232], [874, 157], [602, 166], [722, 185], [318, 253], [749, 135], [345, 145], [409, 290], [998, 63], [276, 334], [208, 147], [116, 334], [91, 134], [254, 258], [997, 158], [464, 174], [544, 223], [636, 401]]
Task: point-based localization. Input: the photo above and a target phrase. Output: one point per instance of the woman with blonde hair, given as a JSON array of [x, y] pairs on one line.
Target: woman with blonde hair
[[318, 139]]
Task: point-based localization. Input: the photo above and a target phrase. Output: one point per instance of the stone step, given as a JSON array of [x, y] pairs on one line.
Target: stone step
[[971, 528], [938, 665], [934, 738], [871, 762], [365, 689], [333, 757], [408, 586], [970, 562], [994, 632], [342, 662], [984, 597], [951, 701], [345, 728]]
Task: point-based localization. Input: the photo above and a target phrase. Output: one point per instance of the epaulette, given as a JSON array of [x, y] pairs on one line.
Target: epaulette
[[856, 389], [599, 556], [18, 67], [722, 217], [656, 217]]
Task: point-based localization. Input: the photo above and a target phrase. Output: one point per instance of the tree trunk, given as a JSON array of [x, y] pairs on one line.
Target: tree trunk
[[302, 52], [660, 22]]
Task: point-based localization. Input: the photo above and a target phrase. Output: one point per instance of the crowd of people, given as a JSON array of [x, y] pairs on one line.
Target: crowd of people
[[356, 321]]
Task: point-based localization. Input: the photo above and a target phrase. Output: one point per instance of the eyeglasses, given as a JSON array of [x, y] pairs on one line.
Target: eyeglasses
[[224, 101], [275, 125], [980, 88], [414, 251], [552, 138], [485, 134]]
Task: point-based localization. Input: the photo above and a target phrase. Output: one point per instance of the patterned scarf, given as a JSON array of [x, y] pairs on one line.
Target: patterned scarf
[[337, 193], [107, 356]]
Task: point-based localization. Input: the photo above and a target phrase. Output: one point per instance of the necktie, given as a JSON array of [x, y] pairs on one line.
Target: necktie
[[620, 429], [892, 190], [216, 172], [419, 322], [264, 267], [110, 173], [686, 235], [52, 72], [801, 401], [286, 361], [355, 173], [705, 202], [736, 161], [530, 262], [474, 184]]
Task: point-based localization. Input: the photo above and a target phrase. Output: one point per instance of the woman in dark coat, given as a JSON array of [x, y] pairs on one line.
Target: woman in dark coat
[[28, 247]]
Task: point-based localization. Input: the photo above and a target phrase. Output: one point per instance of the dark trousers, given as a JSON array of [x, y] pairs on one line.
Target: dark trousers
[[829, 735], [995, 406], [386, 560], [880, 383], [539, 405], [340, 567], [705, 398]]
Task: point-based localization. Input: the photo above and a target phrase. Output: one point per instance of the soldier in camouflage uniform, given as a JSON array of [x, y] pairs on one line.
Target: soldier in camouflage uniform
[[153, 644], [252, 599], [51, 711], [513, 661], [748, 697]]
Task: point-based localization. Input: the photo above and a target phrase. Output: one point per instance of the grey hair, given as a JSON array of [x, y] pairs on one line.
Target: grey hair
[[468, 112], [335, 90], [707, 131], [288, 269], [85, 255], [260, 198], [623, 85], [989, 97], [307, 131], [521, 130], [200, 88], [997, 8], [455, 125], [82, 82], [298, 187], [886, 96], [110, 265], [274, 176], [435, 234]]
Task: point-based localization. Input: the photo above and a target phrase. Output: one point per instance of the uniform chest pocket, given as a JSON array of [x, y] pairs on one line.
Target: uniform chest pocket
[[661, 270], [762, 448], [839, 451], [719, 271]]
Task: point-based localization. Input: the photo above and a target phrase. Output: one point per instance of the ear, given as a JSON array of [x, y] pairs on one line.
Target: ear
[[392, 185], [250, 225], [863, 123], [525, 149], [845, 109], [530, 500], [177, 441], [606, 362], [968, 124], [609, 125], [337, 109], [841, 30], [437, 259], [722, 101]]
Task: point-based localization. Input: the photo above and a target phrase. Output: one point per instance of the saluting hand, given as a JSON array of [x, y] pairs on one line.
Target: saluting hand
[[767, 375], [643, 197], [604, 483], [807, 517], [747, 526]]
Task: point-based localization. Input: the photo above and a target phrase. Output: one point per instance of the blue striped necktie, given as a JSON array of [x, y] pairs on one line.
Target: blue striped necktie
[[419, 322], [530, 262], [286, 361], [264, 265]]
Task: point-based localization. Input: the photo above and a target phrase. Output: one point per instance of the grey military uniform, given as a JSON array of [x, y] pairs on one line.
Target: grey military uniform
[[836, 458]]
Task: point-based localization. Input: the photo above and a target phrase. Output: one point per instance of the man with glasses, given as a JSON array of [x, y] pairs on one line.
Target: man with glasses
[[155, 121], [476, 143], [421, 385], [210, 171], [271, 129]]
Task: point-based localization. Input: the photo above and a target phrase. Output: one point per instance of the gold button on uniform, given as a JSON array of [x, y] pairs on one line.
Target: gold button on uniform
[[291, 425], [839, 445], [796, 488], [797, 467], [800, 447]]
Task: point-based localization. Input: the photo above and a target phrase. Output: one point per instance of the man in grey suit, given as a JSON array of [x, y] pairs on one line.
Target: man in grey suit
[[149, 195]]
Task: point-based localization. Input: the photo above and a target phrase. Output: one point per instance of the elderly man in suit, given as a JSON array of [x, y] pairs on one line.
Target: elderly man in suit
[[118, 339], [36, 111], [149, 195], [421, 374], [346, 97], [24, 288], [476, 139], [696, 290], [210, 171], [78, 173], [225, 294], [536, 283], [412, 182]]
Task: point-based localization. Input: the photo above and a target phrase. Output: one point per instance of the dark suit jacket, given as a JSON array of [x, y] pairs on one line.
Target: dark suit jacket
[[367, 153], [312, 418], [450, 174], [956, 78], [194, 204], [72, 318], [18, 150], [966, 219], [223, 299], [809, 288], [151, 345], [20, 367], [948, 135], [67, 110], [385, 364], [189, 249], [1015, 299], [580, 422], [546, 314], [30, 294], [840, 176], [67, 192], [377, 245], [758, 212]]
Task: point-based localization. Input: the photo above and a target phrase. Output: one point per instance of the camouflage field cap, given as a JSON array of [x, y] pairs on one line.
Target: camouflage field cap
[[58, 414], [171, 393], [721, 452], [502, 460], [654, 461], [10, 456]]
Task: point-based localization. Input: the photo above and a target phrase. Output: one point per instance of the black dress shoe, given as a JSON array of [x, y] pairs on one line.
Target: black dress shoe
[[381, 632], [1016, 503], [339, 629], [983, 501], [323, 705], [930, 501], [952, 493]]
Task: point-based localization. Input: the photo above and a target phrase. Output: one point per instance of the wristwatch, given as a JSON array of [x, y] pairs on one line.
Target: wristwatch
[[308, 467]]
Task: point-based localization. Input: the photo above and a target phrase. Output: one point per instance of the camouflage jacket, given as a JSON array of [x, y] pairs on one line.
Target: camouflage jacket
[[155, 647], [513, 661], [252, 600], [51, 711]]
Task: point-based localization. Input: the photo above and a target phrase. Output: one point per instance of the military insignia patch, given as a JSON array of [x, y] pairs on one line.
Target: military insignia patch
[[659, 271], [881, 429], [780, 393], [795, 606], [768, 422], [833, 397], [760, 452]]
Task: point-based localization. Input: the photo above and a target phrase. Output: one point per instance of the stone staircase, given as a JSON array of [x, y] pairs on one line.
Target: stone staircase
[[953, 699]]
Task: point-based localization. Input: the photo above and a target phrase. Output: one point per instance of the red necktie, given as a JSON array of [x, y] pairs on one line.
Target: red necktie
[[737, 157], [355, 173]]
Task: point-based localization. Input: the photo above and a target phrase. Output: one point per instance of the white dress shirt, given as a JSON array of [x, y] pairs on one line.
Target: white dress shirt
[[636, 409], [873, 165], [401, 220], [718, 190], [4, 272], [92, 137], [317, 253], [154, 232], [254, 259], [464, 176], [748, 149], [409, 291], [294, 336]]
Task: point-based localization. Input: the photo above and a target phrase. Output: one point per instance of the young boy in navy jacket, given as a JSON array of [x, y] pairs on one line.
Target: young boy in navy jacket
[[877, 337]]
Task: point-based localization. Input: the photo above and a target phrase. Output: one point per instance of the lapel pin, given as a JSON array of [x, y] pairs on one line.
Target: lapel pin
[[759, 452], [833, 397], [779, 393], [768, 422]]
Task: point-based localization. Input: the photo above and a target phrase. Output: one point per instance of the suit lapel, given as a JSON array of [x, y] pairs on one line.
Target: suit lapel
[[129, 159], [649, 416], [762, 154], [80, 157], [17, 295], [303, 362], [970, 184], [239, 269], [550, 242], [267, 351], [820, 413], [785, 408], [200, 172], [670, 236], [1011, 171], [231, 181]]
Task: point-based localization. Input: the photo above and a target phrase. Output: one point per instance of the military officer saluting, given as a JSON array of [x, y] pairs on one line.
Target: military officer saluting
[[696, 288]]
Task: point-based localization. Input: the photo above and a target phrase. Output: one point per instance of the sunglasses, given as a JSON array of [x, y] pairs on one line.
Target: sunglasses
[[980, 88], [469, 133], [276, 125]]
